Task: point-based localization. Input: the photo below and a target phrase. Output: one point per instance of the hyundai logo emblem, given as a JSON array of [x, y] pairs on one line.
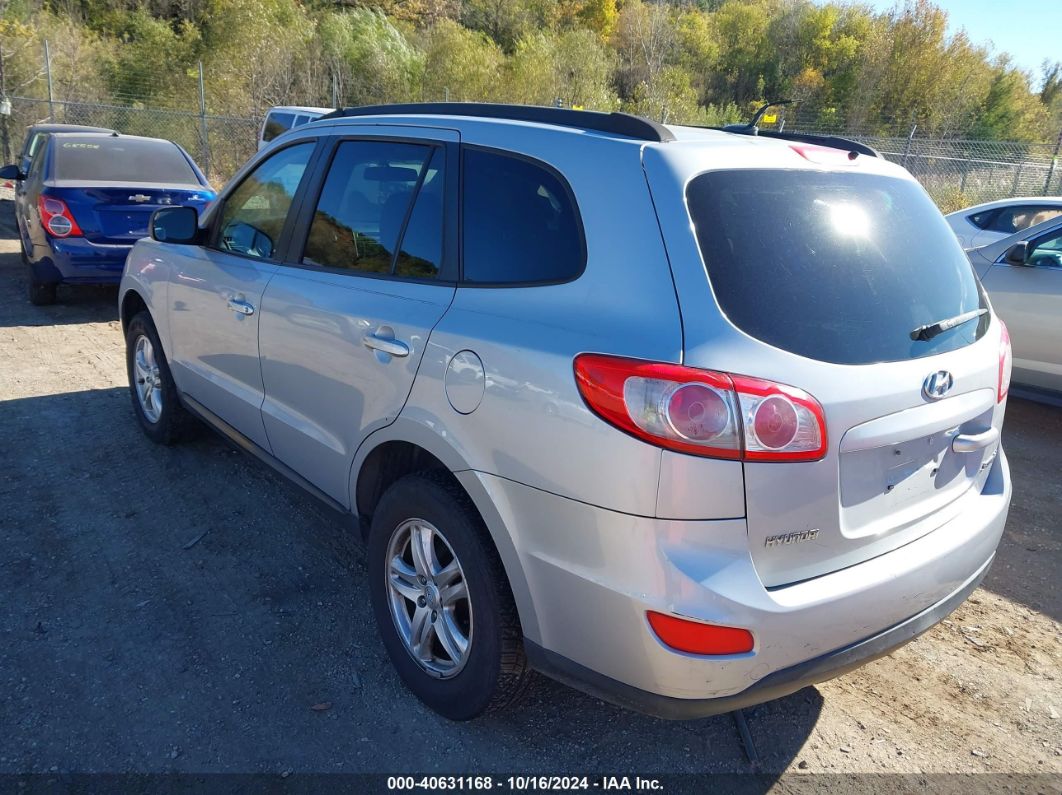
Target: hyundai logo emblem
[[937, 384]]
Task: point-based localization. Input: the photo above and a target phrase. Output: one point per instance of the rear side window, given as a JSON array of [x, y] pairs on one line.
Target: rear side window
[[520, 224], [1017, 219], [120, 159], [363, 208], [983, 219], [277, 123], [31, 149], [838, 267]]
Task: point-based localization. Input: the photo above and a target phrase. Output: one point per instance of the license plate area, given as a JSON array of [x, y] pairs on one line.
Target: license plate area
[[891, 486]]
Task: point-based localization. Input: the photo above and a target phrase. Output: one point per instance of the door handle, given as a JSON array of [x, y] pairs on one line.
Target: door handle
[[972, 442], [391, 347], [241, 307]]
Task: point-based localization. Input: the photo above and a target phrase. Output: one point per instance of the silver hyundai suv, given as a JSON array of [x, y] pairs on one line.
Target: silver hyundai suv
[[686, 418]]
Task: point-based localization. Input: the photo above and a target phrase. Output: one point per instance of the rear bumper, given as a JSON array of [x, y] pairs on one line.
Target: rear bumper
[[591, 575], [79, 261], [775, 685]]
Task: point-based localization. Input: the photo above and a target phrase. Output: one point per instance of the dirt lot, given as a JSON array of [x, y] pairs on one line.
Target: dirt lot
[[184, 609]]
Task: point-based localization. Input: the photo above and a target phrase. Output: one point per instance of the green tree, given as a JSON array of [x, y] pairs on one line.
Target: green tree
[[370, 58], [461, 64], [573, 67]]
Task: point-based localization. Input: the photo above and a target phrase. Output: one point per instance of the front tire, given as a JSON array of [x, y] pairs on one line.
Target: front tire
[[441, 599], [155, 401]]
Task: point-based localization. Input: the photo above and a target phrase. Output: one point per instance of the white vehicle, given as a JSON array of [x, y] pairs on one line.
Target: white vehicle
[[986, 223], [285, 117]]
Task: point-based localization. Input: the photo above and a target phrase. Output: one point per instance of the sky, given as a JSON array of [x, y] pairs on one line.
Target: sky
[[1029, 30]]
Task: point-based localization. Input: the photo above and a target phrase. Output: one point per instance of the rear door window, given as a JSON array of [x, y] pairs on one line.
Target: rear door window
[[277, 123], [120, 159], [839, 267], [364, 205], [520, 223]]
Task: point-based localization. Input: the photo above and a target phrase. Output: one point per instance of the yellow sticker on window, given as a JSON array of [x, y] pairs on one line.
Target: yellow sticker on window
[[770, 118]]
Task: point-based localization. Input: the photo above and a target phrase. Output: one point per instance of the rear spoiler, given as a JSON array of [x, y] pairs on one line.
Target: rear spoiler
[[832, 141]]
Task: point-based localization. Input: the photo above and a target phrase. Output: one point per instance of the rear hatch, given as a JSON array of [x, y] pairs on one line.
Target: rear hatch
[[119, 214], [818, 274], [113, 183]]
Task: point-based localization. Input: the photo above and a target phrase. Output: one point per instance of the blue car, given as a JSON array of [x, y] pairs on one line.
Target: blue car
[[88, 197]]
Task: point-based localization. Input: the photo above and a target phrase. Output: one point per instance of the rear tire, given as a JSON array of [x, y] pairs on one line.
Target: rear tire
[[493, 672], [155, 399], [41, 293]]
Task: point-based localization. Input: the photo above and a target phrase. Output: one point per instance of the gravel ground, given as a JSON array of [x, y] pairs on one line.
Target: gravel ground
[[185, 610]]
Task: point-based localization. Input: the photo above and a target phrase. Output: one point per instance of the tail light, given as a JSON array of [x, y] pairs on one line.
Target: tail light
[[694, 637], [1006, 363], [56, 217], [703, 412]]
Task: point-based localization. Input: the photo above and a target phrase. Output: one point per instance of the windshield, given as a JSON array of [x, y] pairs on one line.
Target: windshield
[[838, 267], [120, 159]]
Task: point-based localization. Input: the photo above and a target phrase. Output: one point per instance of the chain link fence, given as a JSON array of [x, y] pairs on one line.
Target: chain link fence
[[219, 144], [957, 173], [960, 173]]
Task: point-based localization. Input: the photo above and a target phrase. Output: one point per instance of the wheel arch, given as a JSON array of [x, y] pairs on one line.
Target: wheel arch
[[407, 446], [131, 304]]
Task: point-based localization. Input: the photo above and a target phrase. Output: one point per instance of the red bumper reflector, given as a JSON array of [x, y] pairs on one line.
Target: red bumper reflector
[[694, 637]]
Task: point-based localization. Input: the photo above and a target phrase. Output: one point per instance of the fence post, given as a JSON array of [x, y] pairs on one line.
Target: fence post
[[907, 149], [48, 74], [335, 91], [204, 138], [1054, 164], [5, 110], [1017, 179]]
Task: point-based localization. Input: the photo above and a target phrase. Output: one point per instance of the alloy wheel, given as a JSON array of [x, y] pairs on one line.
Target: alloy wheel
[[148, 379], [428, 597]]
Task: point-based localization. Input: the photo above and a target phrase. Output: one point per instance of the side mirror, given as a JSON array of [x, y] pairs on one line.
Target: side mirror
[[11, 172], [175, 225], [1018, 254]]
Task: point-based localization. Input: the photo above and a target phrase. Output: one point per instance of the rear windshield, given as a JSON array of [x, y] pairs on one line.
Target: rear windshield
[[277, 123], [120, 160], [838, 267]]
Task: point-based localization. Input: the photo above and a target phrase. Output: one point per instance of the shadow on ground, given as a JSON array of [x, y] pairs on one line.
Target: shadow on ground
[[171, 609]]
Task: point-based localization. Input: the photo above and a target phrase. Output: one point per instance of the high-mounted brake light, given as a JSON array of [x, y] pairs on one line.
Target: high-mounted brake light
[[1006, 363], [56, 217], [825, 155], [694, 637], [703, 412]]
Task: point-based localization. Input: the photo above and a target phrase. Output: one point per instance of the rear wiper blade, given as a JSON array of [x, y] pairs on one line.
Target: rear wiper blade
[[929, 331]]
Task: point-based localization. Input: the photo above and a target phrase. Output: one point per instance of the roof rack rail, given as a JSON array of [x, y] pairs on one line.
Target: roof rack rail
[[833, 141], [623, 124]]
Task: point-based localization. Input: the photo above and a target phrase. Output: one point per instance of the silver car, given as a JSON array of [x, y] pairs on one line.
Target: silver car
[[1023, 276], [984, 224], [686, 418]]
